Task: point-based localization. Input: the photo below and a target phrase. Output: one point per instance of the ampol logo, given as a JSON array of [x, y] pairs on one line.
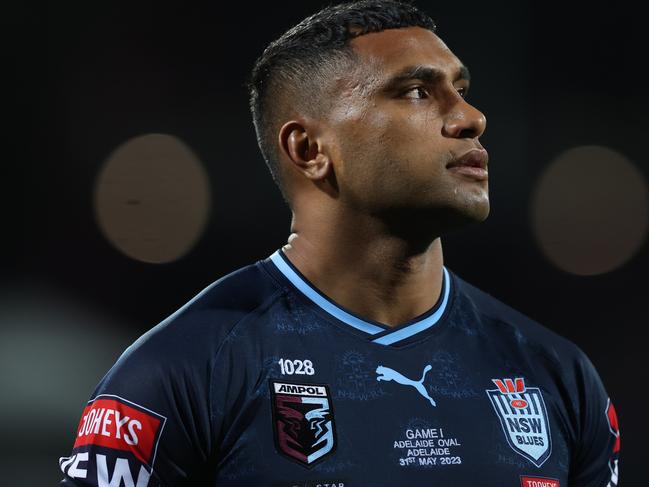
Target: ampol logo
[[303, 421]]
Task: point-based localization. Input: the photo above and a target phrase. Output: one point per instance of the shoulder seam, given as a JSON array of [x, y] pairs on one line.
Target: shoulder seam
[[265, 303], [279, 283]]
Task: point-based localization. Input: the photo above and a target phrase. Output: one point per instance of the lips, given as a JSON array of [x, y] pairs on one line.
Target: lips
[[472, 164], [474, 158]]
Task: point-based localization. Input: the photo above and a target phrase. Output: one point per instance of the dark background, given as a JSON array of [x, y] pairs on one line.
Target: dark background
[[548, 76]]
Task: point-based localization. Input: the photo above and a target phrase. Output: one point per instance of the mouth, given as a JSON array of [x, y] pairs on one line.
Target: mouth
[[472, 164]]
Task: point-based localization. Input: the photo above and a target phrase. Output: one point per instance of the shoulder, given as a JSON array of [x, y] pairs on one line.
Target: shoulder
[[194, 333], [502, 321], [167, 382]]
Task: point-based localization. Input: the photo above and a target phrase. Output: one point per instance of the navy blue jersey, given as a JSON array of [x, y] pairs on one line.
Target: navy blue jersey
[[262, 380]]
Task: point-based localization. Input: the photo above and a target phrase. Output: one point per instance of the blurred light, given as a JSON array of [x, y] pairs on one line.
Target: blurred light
[[590, 210], [53, 351], [152, 198]]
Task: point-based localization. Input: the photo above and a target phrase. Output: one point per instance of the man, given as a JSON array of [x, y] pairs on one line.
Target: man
[[352, 356]]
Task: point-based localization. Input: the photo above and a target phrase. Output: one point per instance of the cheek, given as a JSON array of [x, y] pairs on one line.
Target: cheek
[[360, 141], [421, 128], [375, 135], [413, 145], [380, 152]]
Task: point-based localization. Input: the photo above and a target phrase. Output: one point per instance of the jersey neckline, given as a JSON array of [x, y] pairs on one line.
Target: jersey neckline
[[280, 266]]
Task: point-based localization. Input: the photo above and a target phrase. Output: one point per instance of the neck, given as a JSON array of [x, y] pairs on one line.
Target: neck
[[363, 267]]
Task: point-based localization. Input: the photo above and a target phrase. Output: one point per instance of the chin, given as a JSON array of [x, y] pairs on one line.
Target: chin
[[461, 216], [482, 212], [473, 207]]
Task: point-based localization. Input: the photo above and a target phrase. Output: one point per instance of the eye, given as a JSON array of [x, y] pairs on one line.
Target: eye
[[420, 89], [414, 89]]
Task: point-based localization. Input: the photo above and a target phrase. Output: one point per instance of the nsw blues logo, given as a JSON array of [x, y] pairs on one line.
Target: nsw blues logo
[[303, 421], [524, 419]]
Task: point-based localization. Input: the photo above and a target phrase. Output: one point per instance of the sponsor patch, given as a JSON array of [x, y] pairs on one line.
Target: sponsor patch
[[523, 417], [538, 482], [303, 421], [116, 423], [613, 426]]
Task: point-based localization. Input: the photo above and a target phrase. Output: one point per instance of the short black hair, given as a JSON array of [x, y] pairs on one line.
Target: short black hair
[[297, 67]]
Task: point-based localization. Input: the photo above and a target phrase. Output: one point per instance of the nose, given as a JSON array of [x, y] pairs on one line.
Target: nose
[[464, 121]]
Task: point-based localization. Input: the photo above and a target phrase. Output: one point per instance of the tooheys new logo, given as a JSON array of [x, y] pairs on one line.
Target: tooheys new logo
[[523, 417], [114, 431]]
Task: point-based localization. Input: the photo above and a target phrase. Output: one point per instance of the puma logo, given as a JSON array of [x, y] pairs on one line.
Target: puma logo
[[386, 373]]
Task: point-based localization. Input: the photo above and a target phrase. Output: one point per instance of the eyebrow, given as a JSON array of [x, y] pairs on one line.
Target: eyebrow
[[424, 73]]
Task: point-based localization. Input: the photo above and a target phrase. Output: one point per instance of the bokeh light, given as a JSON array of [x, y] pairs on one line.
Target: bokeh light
[[152, 198], [590, 210], [54, 349]]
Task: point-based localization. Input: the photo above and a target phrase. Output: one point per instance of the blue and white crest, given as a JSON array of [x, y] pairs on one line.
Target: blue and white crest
[[524, 418]]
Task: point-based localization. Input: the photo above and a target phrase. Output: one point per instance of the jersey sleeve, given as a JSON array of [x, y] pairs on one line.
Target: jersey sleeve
[[595, 462], [149, 421]]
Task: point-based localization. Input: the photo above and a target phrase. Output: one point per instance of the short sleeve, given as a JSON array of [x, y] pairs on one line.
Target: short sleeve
[[149, 421], [595, 462]]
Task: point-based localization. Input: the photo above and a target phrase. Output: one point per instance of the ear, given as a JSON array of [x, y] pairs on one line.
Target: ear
[[302, 152]]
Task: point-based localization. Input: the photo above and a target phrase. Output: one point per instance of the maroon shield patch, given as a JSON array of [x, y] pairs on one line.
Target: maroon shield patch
[[303, 421]]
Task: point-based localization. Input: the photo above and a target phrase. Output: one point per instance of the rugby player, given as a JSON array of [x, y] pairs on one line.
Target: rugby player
[[353, 356]]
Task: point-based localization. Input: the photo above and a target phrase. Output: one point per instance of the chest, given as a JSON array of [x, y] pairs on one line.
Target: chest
[[356, 418]]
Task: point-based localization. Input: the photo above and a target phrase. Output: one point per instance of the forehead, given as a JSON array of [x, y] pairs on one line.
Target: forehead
[[384, 53]]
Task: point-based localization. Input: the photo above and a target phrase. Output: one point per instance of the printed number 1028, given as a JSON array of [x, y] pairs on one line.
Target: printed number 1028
[[299, 367]]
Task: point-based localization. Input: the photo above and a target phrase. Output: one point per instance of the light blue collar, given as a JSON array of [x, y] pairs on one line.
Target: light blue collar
[[402, 332]]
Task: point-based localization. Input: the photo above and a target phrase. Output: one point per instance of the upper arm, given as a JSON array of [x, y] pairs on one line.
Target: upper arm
[[149, 420], [595, 462]]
